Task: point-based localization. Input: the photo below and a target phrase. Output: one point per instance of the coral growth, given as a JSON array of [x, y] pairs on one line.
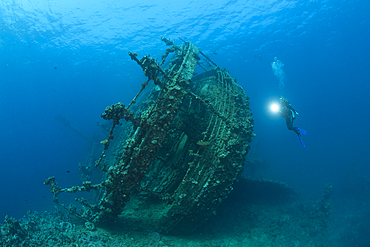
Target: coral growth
[[51, 229]]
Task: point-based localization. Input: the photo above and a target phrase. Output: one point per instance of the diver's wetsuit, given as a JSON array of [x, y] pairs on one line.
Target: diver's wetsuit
[[289, 114]]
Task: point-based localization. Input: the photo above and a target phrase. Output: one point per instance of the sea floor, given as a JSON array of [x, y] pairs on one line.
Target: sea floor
[[238, 222]]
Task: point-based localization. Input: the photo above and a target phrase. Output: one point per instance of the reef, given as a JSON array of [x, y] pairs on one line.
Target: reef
[[52, 229], [258, 212]]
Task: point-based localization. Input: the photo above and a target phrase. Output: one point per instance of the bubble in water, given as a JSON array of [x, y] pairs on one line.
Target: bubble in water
[[277, 67]]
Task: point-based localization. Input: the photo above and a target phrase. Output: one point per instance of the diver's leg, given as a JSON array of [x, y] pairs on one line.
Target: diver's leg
[[296, 130], [289, 122]]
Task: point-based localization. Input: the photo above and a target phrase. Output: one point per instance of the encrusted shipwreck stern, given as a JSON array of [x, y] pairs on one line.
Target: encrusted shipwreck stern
[[185, 148]]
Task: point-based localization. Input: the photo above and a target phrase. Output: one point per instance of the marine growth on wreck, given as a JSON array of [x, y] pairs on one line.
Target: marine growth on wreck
[[176, 149]]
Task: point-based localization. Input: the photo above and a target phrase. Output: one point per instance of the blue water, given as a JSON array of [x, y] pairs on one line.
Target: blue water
[[71, 59]]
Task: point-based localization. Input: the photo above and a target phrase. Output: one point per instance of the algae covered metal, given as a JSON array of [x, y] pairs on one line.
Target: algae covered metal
[[179, 146]]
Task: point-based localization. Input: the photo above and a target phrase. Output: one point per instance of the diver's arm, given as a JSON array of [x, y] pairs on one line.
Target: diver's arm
[[291, 108]]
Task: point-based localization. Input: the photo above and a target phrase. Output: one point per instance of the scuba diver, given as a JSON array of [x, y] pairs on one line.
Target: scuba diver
[[287, 112]]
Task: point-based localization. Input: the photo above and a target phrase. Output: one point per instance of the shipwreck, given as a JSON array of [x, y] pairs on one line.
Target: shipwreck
[[174, 152]]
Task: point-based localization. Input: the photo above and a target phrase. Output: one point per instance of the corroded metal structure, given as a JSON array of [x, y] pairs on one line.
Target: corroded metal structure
[[184, 146]]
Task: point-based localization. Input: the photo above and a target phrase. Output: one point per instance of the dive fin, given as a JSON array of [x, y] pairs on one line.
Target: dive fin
[[303, 132], [300, 139]]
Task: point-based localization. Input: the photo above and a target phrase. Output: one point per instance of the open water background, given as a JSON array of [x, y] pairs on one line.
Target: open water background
[[70, 58]]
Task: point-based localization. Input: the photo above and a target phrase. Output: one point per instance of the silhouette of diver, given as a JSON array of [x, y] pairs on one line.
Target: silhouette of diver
[[287, 112]]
